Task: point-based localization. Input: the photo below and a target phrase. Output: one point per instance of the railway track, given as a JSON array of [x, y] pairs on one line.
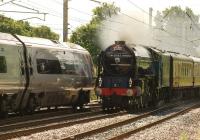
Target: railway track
[[47, 114], [60, 122], [88, 134], [67, 122], [129, 133]]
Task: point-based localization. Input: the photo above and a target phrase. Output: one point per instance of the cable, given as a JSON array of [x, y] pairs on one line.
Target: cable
[[157, 20], [138, 7], [7, 2], [38, 6], [24, 7], [80, 11], [58, 2], [9, 11], [134, 18]]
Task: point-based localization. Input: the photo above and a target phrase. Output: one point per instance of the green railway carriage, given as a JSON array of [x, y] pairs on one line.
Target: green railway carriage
[[162, 64], [182, 71], [165, 70], [196, 71]]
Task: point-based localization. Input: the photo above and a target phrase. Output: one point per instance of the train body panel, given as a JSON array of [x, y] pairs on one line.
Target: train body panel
[[196, 71], [165, 70], [42, 71], [182, 71], [144, 61]]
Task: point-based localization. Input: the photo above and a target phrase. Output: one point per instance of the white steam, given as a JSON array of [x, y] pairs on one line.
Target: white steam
[[123, 28]]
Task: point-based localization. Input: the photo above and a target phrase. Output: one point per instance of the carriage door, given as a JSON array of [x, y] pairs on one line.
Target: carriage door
[[30, 68], [30, 72], [20, 68]]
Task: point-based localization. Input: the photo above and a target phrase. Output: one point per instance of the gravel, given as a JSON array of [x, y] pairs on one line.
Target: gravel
[[136, 124], [182, 127], [75, 129], [185, 127]]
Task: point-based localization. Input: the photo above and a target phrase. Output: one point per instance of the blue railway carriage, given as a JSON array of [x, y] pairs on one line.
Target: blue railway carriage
[[37, 73]]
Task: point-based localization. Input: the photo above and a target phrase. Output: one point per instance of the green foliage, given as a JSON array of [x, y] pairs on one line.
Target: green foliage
[[86, 35], [102, 12], [8, 25], [175, 15], [44, 32]]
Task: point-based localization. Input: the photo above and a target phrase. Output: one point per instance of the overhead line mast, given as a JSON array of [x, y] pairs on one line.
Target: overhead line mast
[[65, 20]]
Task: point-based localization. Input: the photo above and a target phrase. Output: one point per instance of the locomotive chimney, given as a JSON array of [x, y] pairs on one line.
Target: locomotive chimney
[[120, 42]]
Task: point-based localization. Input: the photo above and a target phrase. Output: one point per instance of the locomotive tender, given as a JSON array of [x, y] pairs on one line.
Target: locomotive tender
[[37, 72], [132, 76]]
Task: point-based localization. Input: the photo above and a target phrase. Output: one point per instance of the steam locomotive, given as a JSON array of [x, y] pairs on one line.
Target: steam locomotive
[[37, 73], [136, 76]]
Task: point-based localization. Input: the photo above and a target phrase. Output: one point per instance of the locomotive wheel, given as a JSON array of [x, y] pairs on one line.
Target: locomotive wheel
[[143, 101], [132, 104]]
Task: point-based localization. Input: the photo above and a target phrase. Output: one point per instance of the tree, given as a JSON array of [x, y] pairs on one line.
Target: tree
[[8, 25], [86, 35], [177, 30], [178, 22]]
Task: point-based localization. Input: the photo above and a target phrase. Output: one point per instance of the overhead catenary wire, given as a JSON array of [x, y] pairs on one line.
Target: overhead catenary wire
[[7, 2], [57, 15], [159, 21]]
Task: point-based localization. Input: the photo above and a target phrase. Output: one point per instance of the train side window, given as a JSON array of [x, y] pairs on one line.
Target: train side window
[[67, 67], [45, 66], [80, 65], [3, 66], [67, 63]]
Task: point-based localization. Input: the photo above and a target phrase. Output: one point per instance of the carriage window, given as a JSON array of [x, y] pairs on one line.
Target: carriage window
[[67, 63], [67, 67], [45, 66], [3, 67], [81, 65]]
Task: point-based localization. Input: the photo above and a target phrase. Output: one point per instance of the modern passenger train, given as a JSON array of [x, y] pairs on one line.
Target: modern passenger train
[[36, 72]]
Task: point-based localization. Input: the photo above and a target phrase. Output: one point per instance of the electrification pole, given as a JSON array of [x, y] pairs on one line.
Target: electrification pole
[[65, 20], [150, 17]]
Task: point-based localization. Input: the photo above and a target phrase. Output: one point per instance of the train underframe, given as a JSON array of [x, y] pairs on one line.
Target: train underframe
[[35, 101], [148, 99]]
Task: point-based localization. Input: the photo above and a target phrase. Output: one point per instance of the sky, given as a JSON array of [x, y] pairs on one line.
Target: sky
[[80, 11]]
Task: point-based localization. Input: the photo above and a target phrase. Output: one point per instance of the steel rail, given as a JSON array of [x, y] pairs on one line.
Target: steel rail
[[62, 124], [111, 126], [16, 118], [129, 133], [43, 121]]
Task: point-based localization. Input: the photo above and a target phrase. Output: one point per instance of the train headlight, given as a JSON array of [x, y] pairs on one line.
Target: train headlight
[[98, 91], [100, 81], [130, 82], [129, 92]]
